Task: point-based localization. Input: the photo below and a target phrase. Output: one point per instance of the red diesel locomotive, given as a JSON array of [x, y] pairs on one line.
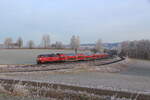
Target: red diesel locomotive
[[60, 57]]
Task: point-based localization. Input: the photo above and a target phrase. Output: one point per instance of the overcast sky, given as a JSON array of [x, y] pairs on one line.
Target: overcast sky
[[110, 20]]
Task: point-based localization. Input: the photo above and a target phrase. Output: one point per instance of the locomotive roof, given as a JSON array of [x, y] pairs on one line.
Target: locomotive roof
[[47, 55], [70, 54]]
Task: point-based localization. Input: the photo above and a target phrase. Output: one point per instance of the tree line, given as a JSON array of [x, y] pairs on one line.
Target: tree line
[[136, 49], [46, 44]]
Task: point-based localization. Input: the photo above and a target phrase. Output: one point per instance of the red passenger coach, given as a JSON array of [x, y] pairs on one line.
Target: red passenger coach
[[71, 57], [62, 57], [81, 57], [44, 58], [88, 56]]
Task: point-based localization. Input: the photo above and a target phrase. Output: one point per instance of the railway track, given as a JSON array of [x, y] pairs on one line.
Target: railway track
[[121, 59], [58, 66]]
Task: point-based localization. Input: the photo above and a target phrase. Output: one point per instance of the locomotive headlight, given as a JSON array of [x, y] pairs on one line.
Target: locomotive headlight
[[39, 59]]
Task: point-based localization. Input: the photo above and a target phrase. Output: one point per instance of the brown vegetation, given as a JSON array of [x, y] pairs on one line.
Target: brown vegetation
[[136, 49]]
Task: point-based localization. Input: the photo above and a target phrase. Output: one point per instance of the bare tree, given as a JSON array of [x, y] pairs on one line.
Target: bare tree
[[20, 42], [78, 41], [75, 43], [72, 41], [30, 44], [46, 41], [8, 42], [99, 46], [58, 45]]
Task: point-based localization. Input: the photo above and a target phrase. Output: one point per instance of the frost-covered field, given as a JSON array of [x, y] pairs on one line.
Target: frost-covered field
[[25, 56], [138, 68], [134, 78]]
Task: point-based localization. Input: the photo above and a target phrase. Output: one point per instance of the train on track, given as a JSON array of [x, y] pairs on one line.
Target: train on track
[[60, 57]]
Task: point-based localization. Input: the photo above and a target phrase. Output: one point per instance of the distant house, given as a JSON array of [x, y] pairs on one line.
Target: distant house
[[2, 46], [87, 46], [11, 45], [14, 45]]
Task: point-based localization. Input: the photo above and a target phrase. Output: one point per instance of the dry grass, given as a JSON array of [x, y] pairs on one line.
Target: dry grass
[[25, 88]]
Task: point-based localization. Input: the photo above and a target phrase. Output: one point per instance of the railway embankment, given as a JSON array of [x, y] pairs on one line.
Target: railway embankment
[[110, 65]]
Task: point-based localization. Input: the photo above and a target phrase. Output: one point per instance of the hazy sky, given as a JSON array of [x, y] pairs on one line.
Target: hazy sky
[[110, 20]]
